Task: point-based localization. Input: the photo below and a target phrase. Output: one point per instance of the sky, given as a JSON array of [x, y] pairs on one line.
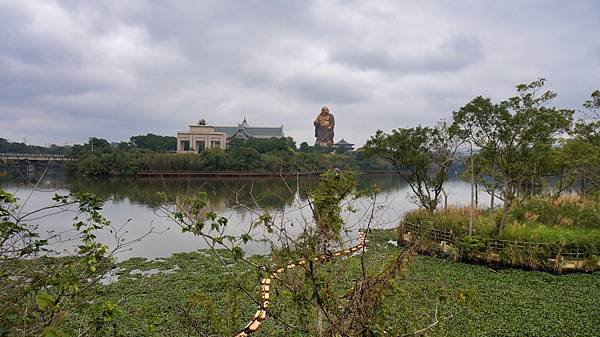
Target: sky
[[74, 69]]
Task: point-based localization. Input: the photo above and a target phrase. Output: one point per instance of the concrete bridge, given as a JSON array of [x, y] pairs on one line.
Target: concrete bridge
[[29, 160], [5, 156]]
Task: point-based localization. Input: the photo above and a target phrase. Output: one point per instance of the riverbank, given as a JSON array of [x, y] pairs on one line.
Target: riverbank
[[541, 233], [184, 174]]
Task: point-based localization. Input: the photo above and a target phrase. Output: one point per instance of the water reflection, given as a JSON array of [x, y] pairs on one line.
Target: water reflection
[[131, 203]]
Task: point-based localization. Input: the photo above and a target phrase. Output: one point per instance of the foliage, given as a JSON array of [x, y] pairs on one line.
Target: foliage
[[569, 211], [569, 219], [190, 294], [515, 137], [264, 145], [94, 145], [327, 200], [15, 147], [422, 156], [545, 226], [454, 219], [119, 162], [304, 147], [585, 146], [38, 290], [593, 105], [155, 142]]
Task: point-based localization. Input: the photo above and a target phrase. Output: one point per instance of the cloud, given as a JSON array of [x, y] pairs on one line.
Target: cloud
[[113, 69]]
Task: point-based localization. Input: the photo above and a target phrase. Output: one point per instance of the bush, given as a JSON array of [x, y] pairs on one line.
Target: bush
[[38, 290], [567, 211], [453, 219]]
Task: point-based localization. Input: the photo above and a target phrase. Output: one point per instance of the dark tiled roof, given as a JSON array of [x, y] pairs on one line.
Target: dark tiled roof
[[229, 130], [258, 132], [343, 142]]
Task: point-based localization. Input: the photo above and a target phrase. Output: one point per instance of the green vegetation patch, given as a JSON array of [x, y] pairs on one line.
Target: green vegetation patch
[[201, 296], [568, 219]]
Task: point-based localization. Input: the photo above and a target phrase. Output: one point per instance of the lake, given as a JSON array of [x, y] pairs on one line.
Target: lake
[[130, 205]]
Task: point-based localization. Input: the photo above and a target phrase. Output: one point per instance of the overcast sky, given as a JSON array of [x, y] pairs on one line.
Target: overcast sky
[[112, 68]]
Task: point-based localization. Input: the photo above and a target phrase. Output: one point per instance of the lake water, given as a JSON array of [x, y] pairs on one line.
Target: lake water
[[130, 206]]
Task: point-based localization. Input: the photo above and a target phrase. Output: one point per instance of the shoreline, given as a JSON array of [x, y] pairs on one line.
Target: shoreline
[[180, 174]]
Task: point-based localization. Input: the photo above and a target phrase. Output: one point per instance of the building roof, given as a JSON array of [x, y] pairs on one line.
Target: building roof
[[245, 128], [343, 142]]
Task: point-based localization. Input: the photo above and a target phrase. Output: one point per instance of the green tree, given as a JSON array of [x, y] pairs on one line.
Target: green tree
[[304, 147], [264, 145], [98, 144], [14, 147], [422, 156], [593, 106], [585, 145], [155, 142], [213, 159], [341, 150], [244, 159], [515, 137]]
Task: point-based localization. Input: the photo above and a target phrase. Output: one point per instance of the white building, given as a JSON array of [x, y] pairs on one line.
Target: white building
[[198, 138], [202, 136]]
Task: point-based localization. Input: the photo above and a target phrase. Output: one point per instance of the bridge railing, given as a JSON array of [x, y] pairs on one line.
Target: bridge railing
[[24, 156]]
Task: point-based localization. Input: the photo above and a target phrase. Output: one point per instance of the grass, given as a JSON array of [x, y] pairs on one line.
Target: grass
[[491, 303], [569, 219]]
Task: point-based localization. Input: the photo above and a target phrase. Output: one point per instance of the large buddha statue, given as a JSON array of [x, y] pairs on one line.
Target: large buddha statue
[[324, 128]]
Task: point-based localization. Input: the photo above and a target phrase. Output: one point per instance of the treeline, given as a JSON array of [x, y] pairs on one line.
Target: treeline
[[145, 142], [149, 142], [275, 154], [16, 147]]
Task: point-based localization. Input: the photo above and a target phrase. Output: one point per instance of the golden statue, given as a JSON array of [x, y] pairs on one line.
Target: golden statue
[[324, 125]]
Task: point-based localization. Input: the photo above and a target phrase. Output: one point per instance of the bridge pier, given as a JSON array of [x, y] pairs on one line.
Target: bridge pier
[[30, 168]]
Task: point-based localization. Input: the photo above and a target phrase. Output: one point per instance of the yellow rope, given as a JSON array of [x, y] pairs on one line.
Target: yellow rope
[[265, 283]]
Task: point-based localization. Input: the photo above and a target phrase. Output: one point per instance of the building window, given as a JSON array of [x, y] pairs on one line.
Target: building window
[[200, 145], [215, 143], [185, 145]]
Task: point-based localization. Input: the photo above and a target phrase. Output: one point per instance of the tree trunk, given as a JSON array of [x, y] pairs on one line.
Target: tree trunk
[[505, 210], [471, 215], [493, 182]]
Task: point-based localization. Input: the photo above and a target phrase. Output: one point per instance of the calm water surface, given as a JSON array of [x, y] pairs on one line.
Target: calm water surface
[[130, 206]]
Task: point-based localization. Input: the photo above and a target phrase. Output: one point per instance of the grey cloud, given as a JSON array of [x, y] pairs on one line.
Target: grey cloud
[[449, 56], [117, 68], [325, 89]]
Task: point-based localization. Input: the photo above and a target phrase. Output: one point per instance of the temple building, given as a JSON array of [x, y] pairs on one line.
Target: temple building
[[344, 145], [202, 136]]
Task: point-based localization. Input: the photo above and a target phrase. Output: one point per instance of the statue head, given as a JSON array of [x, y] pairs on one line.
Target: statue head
[[324, 110]]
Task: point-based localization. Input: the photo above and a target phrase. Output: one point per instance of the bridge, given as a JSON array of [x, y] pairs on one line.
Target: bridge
[[34, 157], [29, 160]]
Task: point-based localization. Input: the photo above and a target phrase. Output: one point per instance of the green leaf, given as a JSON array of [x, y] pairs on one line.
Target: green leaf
[[52, 332], [246, 237], [44, 300]]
